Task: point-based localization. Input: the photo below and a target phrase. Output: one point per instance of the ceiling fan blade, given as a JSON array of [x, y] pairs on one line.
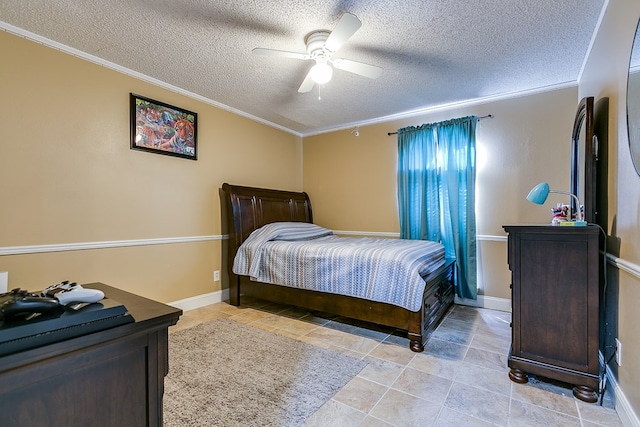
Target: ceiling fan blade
[[360, 68], [280, 53], [307, 84], [345, 28]]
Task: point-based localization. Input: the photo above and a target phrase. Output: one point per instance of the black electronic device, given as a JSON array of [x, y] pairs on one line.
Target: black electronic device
[[20, 334], [19, 304]]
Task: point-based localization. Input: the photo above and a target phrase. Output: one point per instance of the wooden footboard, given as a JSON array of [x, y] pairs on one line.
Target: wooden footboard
[[250, 208], [437, 298]]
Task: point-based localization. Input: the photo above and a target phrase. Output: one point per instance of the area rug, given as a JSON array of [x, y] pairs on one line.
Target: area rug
[[225, 373]]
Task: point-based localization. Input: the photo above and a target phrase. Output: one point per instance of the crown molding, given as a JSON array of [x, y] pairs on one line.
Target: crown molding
[[404, 115], [107, 64]]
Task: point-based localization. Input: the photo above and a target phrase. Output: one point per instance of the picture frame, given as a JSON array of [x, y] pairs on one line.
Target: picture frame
[[161, 128]]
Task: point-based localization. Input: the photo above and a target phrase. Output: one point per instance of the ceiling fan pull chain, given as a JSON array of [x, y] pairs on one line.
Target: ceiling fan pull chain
[[319, 96]]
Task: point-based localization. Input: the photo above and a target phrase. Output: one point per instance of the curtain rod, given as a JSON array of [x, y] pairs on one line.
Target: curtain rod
[[488, 116]]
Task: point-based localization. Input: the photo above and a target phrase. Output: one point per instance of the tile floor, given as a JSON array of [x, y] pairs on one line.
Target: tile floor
[[459, 380]]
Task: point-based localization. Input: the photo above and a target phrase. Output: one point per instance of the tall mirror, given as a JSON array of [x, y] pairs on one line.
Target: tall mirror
[[633, 102], [584, 158]]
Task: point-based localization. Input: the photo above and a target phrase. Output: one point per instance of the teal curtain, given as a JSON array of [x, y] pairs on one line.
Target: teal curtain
[[436, 192]]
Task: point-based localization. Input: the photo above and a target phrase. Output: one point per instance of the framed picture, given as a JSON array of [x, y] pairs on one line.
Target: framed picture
[[162, 128]]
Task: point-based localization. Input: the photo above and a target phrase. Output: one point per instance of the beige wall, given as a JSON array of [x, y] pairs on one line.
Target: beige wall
[[605, 75], [352, 182], [67, 175]]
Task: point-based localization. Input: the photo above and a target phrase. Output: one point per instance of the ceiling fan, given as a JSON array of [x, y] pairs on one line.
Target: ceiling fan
[[321, 45]]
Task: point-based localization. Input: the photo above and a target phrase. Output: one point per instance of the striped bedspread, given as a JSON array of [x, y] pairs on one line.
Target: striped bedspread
[[307, 256]]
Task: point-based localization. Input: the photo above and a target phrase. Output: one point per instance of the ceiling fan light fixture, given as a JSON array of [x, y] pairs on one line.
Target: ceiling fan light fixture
[[321, 45], [321, 73]]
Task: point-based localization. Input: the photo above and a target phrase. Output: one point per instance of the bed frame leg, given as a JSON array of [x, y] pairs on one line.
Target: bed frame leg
[[234, 291]]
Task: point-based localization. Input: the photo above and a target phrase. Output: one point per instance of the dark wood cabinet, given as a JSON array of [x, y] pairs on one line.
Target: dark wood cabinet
[[113, 377], [555, 305]]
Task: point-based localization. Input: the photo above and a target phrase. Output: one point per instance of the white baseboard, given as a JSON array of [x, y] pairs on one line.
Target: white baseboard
[[624, 409], [493, 303], [201, 300]]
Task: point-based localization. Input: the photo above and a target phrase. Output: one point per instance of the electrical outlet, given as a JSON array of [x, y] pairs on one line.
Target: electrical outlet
[[216, 275], [618, 352]]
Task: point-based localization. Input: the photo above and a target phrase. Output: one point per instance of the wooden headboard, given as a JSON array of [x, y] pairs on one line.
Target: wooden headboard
[[250, 208]]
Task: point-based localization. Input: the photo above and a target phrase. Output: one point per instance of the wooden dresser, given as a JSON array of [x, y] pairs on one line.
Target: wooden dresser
[[113, 377], [555, 305]]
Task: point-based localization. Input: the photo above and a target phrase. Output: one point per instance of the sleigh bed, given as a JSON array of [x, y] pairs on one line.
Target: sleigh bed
[[249, 209]]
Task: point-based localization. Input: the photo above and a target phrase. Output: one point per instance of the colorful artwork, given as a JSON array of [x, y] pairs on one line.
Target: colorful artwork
[[162, 128]]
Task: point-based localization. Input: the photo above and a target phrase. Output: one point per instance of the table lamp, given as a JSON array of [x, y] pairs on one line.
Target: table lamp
[[539, 194]]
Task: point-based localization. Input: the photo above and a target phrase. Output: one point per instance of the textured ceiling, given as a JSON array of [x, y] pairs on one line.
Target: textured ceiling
[[434, 52]]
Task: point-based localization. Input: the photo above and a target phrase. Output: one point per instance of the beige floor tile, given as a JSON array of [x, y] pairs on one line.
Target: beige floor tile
[[454, 331], [435, 365], [370, 421], [596, 414], [445, 349], [459, 380], [526, 415], [361, 329], [249, 315], [195, 318], [335, 414], [293, 326], [423, 385], [344, 339], [493, 343], [544, 398], [381, 371], [320, 341], [496, 324], [213, 315], [450, 418], [488, 359], [457, 323], [398, 338], [478, 403], [220, 306], [400, 409], [552, 386], [263, 326], [464, 313], [286, 333], [393, 353], [485, 378], [184, 323], [298, 327], [311, 318], [274, 321], [360, 394]]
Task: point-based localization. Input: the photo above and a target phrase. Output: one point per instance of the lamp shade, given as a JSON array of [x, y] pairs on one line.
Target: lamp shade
[[539, 193]]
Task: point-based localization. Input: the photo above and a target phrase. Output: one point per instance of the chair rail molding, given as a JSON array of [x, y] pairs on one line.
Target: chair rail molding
[[61, 247]]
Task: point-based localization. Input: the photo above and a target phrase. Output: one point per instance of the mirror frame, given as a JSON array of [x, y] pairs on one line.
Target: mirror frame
[[584, 117], [634, 137]]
